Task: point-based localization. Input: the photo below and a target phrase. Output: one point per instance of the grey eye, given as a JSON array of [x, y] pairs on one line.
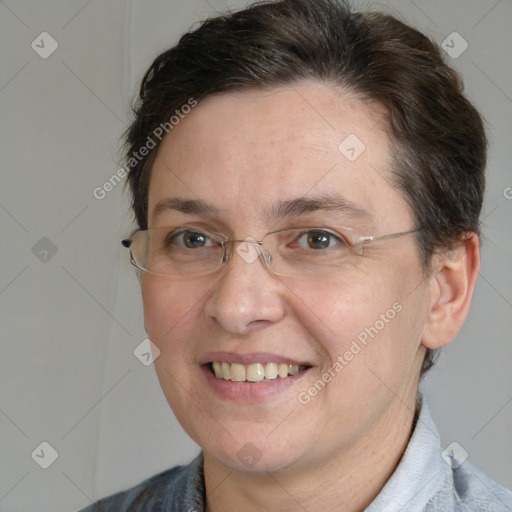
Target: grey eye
[[190, 240], [319, 239]]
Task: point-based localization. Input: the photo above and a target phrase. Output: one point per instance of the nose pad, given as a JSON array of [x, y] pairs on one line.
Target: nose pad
[[266, 257]]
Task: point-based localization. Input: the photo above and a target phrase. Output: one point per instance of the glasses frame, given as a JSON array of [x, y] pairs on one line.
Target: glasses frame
[[228, 244]]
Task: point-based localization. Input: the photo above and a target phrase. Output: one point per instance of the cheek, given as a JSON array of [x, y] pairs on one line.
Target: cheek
[[372, 324], [359, 326], [335, 312], [170, 307], [171, 312]]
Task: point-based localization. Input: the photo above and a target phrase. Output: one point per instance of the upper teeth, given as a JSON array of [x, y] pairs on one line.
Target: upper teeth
[[253, 372]]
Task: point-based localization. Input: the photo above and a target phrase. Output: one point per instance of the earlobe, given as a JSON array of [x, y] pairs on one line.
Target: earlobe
[[451, 289]]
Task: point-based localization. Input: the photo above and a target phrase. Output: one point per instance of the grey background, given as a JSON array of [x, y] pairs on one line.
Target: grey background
[[71, 320]]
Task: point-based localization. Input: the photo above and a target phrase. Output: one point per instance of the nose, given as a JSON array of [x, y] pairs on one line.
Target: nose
[[247, 296]]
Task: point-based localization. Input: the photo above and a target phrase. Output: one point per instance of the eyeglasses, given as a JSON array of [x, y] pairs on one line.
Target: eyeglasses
[[186, 251]]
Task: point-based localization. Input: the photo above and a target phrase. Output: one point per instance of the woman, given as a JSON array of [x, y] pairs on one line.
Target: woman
[[307, 181]]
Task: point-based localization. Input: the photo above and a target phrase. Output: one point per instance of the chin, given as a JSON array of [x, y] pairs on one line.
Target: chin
[[250, 459], [254, 453]]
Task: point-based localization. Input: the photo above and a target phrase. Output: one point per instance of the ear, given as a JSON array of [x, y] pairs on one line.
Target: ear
[[451, 287]]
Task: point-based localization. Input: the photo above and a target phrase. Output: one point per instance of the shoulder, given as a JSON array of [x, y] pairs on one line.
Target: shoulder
[[153, 494], [145, 496], [472, 491], [475, 489]]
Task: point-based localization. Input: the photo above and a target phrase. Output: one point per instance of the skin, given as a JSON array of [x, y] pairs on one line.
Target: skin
[[338, 450]]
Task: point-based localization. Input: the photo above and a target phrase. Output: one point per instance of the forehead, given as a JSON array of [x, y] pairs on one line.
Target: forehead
[[245, 151]]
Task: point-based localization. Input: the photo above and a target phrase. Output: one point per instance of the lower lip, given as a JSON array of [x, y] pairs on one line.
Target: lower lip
[[250, 391]]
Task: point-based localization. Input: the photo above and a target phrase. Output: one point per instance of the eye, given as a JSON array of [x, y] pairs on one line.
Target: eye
[[320, 239], [189, 239]]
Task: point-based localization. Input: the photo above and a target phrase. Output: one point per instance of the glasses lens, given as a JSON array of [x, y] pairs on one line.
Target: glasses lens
[[308, 251], [177, 251]]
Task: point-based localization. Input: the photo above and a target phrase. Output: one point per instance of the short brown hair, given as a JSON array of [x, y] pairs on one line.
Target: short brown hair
[[438, 136]]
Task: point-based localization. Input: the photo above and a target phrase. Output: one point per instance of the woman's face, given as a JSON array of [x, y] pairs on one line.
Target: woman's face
[[252, 157]]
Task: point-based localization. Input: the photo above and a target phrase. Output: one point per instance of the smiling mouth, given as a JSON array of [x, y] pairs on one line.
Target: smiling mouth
[[257, 372]]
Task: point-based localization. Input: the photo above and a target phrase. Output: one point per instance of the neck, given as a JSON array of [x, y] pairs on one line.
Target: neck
[[346, 482]]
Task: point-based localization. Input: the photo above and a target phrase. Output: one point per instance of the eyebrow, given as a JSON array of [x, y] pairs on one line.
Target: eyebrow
[[279, 210], [187, 206], [305, 205]]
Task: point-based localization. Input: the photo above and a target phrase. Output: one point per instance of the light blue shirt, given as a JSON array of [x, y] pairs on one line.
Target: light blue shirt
[[426, 480]]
